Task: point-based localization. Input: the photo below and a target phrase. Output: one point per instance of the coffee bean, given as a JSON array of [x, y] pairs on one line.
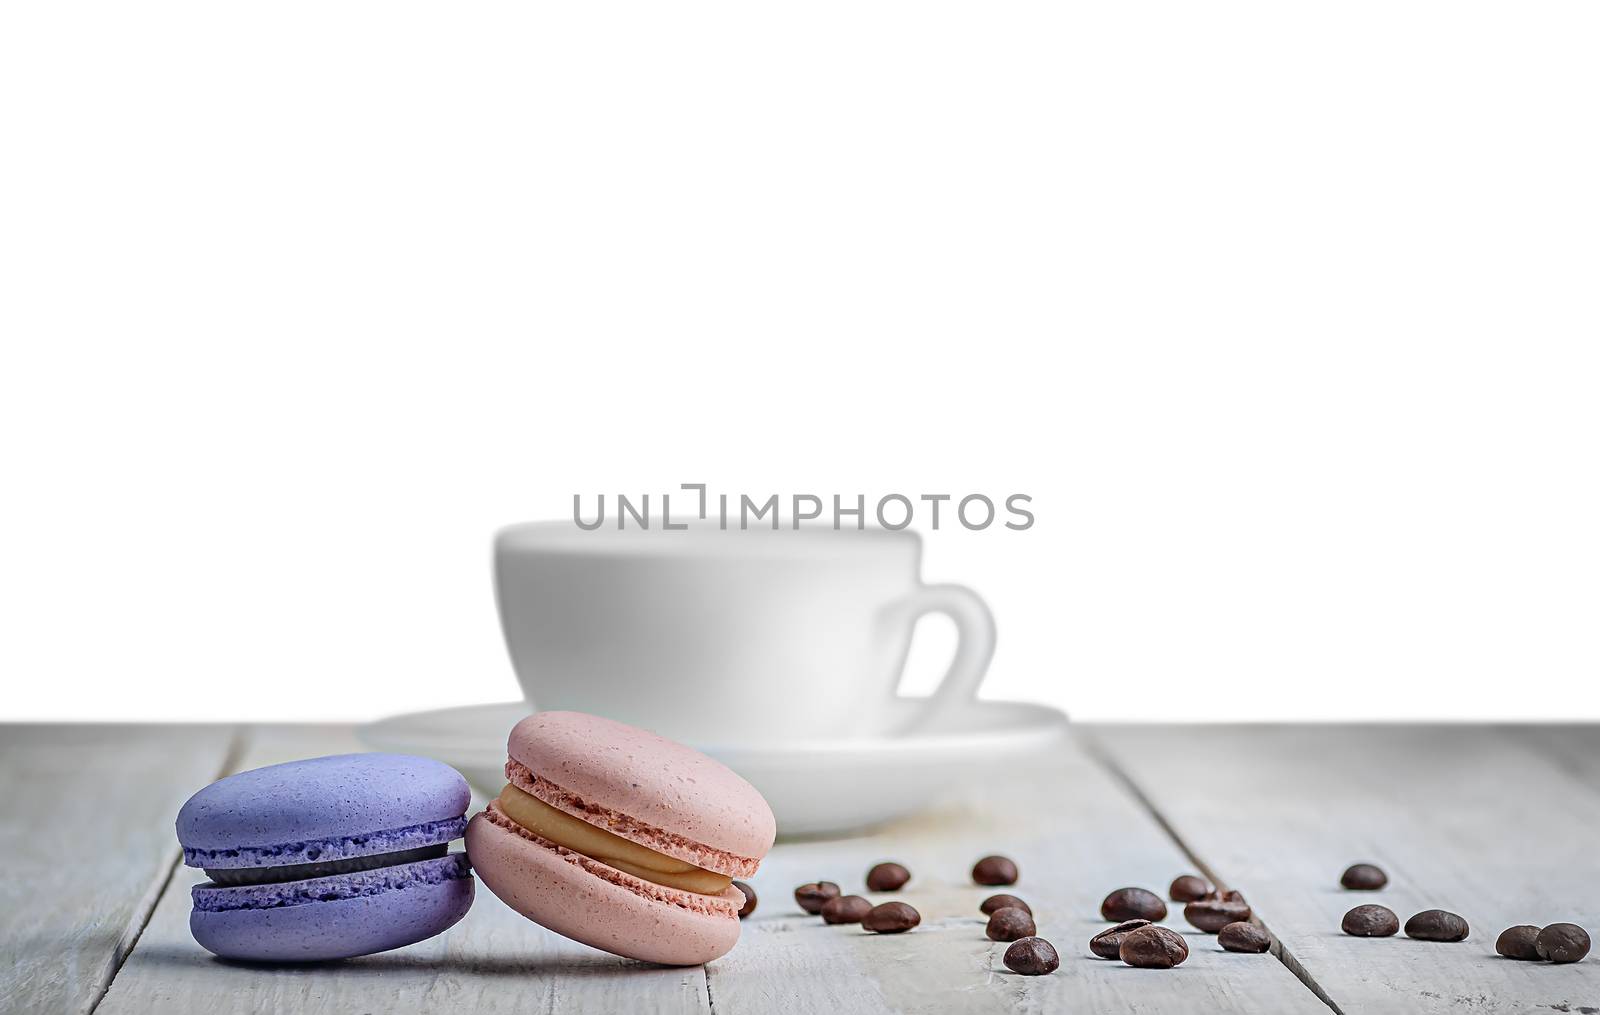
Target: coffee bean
[[749, 899], [1108, 943], [995, 870], [813, 895], [1436, 925], [1216, 911], [1133, 904], [1363, 877], [891, 918], [887, 877], [995, 902], [1188, 888], [1153, 947], [1243, 937], [845, 909], [1032, 956], [1562, 942], [1370, 921], [1518, 942], [1010, 924]]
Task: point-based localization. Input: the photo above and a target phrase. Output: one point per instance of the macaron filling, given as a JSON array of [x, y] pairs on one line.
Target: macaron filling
[[227, 876], [571, 832], [619, 823]]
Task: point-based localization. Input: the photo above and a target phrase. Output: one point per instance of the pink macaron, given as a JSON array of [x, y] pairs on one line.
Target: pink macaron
[[621, 839]]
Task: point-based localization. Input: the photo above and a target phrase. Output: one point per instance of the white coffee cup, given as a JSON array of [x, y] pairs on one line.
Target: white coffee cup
[[730, 636]]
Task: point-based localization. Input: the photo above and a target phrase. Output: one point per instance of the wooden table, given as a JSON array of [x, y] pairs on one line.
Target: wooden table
[[1499, 824]]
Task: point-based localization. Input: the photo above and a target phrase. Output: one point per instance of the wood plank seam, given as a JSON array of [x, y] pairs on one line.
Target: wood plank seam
[[163, 881], [1279, 950]]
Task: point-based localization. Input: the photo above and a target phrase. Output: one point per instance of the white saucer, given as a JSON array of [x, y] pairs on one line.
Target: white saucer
[[815, 787]]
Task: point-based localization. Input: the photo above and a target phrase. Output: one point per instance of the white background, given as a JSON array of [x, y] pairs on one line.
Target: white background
[[1284, 314]]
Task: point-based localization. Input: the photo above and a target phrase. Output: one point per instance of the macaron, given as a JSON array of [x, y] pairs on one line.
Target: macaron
[[327, 858], [621, 839]]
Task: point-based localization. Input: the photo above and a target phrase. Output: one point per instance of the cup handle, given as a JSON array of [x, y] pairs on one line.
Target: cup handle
[[974, 648]]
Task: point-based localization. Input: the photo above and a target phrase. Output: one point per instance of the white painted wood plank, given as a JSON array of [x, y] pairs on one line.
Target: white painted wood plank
[[1469, 819], [1575, 749], [87, 839], [1076, 835], [492, 961]]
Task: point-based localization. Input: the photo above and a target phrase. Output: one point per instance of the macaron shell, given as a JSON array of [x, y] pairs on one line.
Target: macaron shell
[[343, 928], [649, 778], [277, 810], [554, 892]]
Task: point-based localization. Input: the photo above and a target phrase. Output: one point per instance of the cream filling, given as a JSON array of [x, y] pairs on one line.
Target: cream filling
[[609, 848]]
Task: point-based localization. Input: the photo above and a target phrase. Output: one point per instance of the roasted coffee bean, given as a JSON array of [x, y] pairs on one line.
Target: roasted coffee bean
[[1215, 912], [1133, 904], [1562, 942], [1370, 921], [1188, 888], [749, 899], [1436, 925], [814, 895], [995, 870], [1108, 943], [1153, 947], [1363, 877], [1010, 924], [1032, 956], [995, 902], [845, 909], [1243, 937], [1518, 942], [887, 877], [891, 918]]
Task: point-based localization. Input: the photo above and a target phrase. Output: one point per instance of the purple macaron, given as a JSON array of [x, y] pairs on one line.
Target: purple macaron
[[327, 858]]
